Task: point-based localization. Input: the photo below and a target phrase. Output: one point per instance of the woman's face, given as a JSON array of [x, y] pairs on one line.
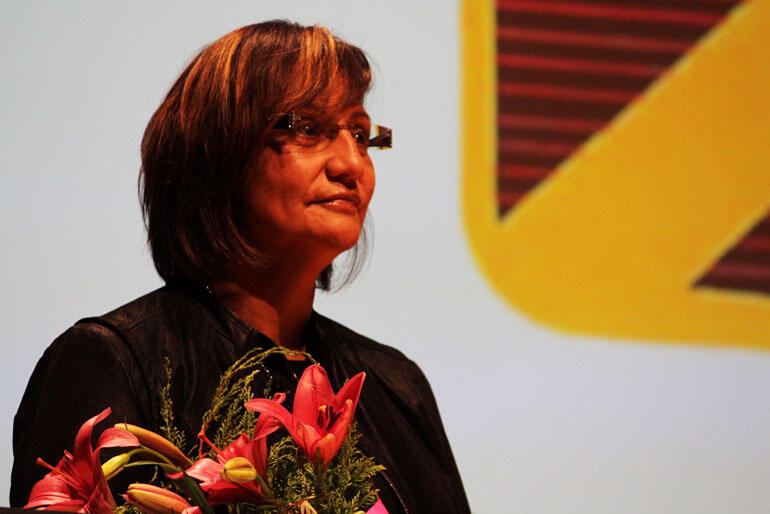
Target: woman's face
[[311, 199]]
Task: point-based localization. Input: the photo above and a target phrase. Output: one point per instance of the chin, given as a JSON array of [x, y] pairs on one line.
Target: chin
[[341, 240], [343, 244]]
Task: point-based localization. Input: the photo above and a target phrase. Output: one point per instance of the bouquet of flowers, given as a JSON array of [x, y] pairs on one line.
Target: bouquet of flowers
[[315, 468]]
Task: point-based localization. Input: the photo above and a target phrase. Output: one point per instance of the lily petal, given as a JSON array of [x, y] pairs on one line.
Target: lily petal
[[82, 450], [112, 438], [320, 419], [326, 447], [50, 490], [221, 487], [237, 448], [307, 435], [341, 426], [205, 470], [313, 389], [77, 482], [350, 391], [274, 409]]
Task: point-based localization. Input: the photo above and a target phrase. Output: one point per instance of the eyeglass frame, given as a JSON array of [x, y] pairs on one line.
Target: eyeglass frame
[[382, 141]]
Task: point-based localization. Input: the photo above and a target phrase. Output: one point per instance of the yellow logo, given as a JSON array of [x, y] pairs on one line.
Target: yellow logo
[[619, 238]]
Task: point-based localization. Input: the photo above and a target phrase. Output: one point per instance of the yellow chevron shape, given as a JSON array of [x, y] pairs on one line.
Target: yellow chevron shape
[[611, 242]]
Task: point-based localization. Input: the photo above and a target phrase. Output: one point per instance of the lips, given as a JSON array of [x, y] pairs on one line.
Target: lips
[[347, 199]]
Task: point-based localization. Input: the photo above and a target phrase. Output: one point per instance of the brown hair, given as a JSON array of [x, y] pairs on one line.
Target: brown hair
[[217, 114]]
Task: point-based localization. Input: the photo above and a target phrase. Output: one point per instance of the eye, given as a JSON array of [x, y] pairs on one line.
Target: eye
[[360, 135], [307, 128]]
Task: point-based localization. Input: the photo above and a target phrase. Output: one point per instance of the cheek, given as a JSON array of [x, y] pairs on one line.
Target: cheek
[[263, 206], [367, 185], [274, 186]]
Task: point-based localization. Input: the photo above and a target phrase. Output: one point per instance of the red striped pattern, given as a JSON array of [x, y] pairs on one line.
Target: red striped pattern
[[745, 266], [593, 40], [566, 68], [535, 146], [581, 65], [612, 12], [758, 242], [580, 126], [509, 198], [611, 96], [739, 271], [526, 172]]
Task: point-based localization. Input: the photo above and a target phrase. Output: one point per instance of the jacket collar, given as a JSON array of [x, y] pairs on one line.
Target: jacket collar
[[241, 334]]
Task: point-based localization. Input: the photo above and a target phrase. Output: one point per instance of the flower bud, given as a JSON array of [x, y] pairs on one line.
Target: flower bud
[[158, 443], [153, 499], [238, 470], [115, 465]]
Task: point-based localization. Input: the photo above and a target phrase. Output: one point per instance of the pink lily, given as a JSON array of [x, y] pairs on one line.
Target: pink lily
[[77, 483], [321, 419], [240, 470]]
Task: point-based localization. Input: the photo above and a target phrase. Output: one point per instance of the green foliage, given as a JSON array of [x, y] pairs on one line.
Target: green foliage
[[127, 508], [170, 431], [235, 389], [237, 418], [345, 486]]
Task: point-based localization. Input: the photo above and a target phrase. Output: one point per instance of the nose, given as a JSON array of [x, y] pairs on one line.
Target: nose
[[346, 162]]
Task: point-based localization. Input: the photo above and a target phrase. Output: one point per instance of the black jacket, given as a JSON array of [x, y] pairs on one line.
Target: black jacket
[[116, 360]]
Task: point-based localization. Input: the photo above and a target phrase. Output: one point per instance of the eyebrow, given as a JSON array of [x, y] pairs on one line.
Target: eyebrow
[[361, 112], [312, 110]]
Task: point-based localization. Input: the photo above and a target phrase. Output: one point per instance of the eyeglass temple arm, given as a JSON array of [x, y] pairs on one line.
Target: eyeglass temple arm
[[383, 139]]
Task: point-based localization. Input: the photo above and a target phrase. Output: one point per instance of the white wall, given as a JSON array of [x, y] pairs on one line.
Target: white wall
[[539, 421]]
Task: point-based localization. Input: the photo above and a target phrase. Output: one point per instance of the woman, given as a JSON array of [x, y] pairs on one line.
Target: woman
[[255, 176]]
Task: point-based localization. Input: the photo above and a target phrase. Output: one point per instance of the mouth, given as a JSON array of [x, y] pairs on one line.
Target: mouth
[[345, 201]]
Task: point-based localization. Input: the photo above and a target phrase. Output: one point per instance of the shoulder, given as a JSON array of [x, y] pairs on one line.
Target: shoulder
[[340, 334], [120, 357], [151, 309], [130, 342], [388, 363], [89, 366], [156, 323], [119, 344], [86, 344]]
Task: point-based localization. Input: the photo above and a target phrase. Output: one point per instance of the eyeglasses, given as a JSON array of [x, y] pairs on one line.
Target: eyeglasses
[[311, 132]]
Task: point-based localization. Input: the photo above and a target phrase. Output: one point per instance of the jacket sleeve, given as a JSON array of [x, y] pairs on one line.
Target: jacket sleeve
[[407, 416], [83, 372], [430, 423]]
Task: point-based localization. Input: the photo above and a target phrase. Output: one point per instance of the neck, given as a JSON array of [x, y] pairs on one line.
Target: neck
[[277, 301]]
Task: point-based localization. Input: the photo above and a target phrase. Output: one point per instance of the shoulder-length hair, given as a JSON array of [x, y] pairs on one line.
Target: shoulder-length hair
[[216, 116]]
